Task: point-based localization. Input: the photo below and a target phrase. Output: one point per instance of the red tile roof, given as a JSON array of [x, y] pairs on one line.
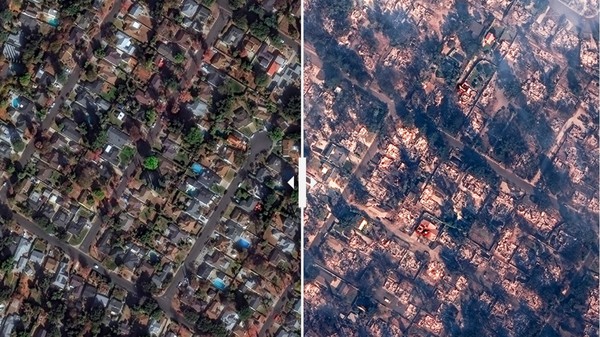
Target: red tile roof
[[273, 69]]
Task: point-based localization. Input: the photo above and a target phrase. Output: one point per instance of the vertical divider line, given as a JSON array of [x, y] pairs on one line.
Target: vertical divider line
[[302, 181]]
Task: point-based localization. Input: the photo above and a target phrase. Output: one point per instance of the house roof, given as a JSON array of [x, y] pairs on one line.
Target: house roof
[[189, 8], [273, 68], [69, 130], [75, 227], [203, 14], [115, 306], [117, 138], [198, 108], [233, 36], [89, 291]]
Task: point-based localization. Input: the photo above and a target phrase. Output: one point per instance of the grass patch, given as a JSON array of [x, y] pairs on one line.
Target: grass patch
[[228, 178], [39, 245], [182, 158], [126, 155], [249, 130], [109, 264], [229, 210]]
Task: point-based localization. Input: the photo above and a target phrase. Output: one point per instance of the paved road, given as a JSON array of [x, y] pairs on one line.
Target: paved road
[[258, 143]]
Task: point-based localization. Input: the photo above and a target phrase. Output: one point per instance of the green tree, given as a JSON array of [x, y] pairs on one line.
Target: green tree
[[245, 314], [150, 116], [98, 194], [194, 137], [260, 29], [236, 4], [151, 163], [91, 74], [25, 80], [100, 53], [261, 80], [276, 135], [18, 145]]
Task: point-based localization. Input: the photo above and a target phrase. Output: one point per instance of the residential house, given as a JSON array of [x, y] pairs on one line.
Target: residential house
[[101, 299], [62, 276], [230, 320], [250, 47], [115, 307], [155, 327], [12, 46], [22, 250], [76, 226], [61, 218], [140, 13], [232, 37], [207, 178], [68, 128], [89, 292], [198, 108], [285, 78], [76, 286], [120, 59], [107, 72], [159, 278], [170, 149], [67, 57], [196, 210], [137, 30], [242, 119], [189, 8], [174, 234], [265, 56], [200, 22], [9, 324], [123, 42]]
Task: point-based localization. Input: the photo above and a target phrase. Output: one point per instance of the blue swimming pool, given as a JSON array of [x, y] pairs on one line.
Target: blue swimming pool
[[15, 102], [53, 22], [244, 243], [197, 168], [219, 284]]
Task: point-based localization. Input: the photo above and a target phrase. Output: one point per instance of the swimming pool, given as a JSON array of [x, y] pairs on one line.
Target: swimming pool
[[53, 22], [197, 168], [244, 243], [219, 284], [15, 102]]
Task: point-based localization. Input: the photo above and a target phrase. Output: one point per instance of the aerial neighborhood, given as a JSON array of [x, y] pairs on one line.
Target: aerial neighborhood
[[145, 152], [453, 168]]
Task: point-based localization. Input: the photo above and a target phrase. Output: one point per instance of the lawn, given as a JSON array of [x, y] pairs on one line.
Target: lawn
[[249, 130], [228, 177]]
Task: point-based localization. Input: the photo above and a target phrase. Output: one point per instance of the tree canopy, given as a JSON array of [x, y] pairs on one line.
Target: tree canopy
[[151, 163]]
